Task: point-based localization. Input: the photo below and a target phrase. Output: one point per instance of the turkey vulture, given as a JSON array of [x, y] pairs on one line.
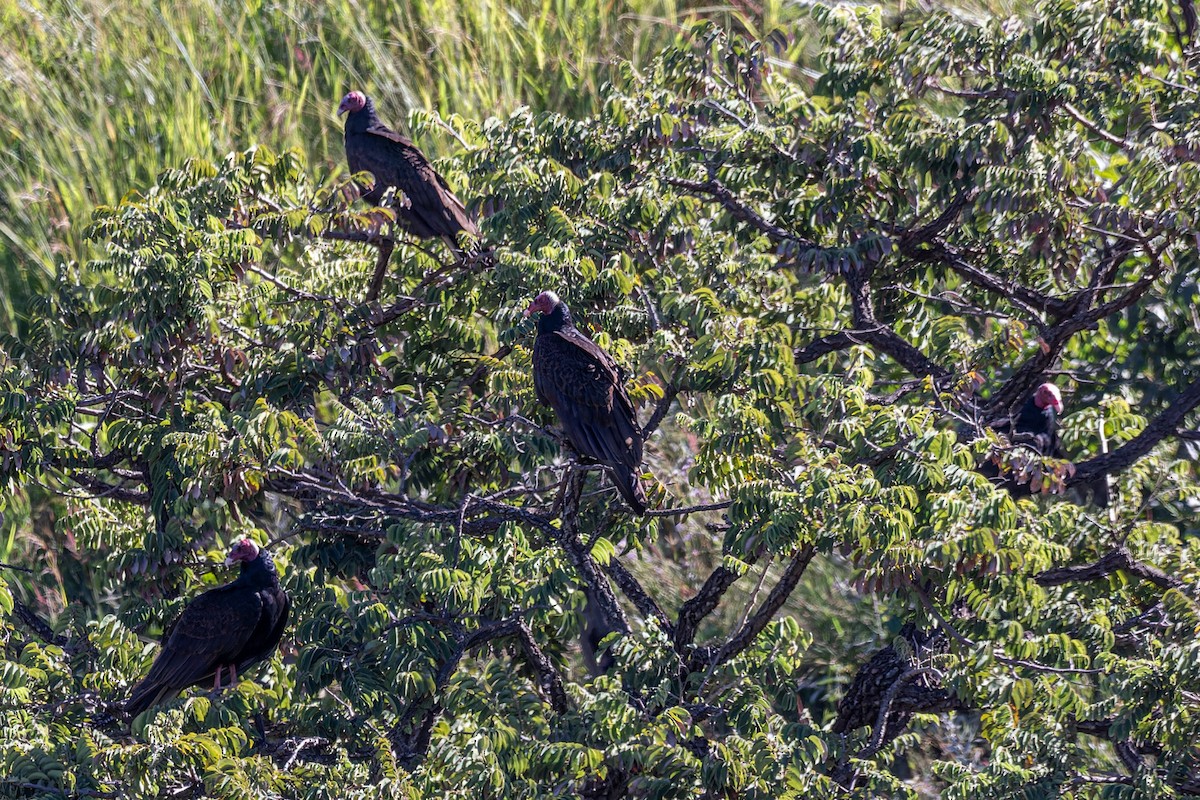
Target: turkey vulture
[[225, 630], [430, 209], [584, 386], [1036, 427]]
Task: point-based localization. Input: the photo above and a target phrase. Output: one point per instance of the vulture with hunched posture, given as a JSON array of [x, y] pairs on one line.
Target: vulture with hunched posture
[[429, 209], [584, 386], [1036, 427], [224, 631]]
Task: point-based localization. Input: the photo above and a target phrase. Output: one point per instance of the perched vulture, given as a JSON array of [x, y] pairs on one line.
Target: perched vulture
[[584, 386], [429, 209], [225, 630], [1035, 427]]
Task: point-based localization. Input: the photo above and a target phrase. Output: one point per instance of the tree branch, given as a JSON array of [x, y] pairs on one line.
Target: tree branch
[[1022, 297], [1124, 456], [823, 346], [737, 209], [873, 332], [645, 604], [549, 681], [386, 246], [1119, 558], [779, 594], [693, 612]]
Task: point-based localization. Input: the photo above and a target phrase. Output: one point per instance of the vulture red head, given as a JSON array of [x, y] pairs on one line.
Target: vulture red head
[[544, 302], [242, 550], [353, 101], [1048, 395]]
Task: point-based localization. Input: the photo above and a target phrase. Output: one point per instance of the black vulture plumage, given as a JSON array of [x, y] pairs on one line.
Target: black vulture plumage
[[224, 631], [584, 386], [1035, 427], [429, 209]]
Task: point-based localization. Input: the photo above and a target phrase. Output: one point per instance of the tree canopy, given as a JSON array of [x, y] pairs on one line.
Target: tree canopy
[[825, 288]]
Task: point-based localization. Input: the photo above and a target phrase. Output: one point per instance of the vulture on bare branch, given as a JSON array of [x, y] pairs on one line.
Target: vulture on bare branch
[[224, 631], [585, 387], [428, 209]]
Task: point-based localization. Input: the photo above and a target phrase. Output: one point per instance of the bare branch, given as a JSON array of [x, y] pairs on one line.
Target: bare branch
[[386, 246], [679, 512], [1110, 138]]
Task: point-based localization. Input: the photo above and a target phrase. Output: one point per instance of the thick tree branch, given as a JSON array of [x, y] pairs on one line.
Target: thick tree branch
[[39, 626], [755, 623], [831, 343], [693, 612], [569, 540], [549, 681], [880, 729], [875, 333], [1119, 558], [1031, 302], [910, 241], [629, 586], [1124, 456], [99, 488]]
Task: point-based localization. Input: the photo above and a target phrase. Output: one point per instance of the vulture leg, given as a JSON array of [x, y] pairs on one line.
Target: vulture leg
[[232, 675], [217, 680]]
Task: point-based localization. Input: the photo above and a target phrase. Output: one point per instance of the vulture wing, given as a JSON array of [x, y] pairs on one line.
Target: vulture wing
[[394, 160], [212, 631], [272, 620], [583, 384], [1042, 425]]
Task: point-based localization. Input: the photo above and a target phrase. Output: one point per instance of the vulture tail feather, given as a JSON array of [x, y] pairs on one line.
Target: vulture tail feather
[[629, 484]]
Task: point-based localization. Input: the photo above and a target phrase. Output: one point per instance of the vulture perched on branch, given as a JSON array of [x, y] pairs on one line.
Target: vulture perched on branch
[[1036, 427], [585, 387], [428, 209], [222, 632]]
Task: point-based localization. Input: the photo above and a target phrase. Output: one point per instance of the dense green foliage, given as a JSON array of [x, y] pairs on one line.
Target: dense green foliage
[[823, 290], [96, 98]]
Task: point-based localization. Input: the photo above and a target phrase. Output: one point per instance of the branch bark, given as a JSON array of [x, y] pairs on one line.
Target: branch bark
[[1124, 456], [693, 612], [754, 625], [1119, 558]]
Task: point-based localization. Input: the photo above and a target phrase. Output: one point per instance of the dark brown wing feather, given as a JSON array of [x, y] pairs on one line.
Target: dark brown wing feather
[[582, 383], [268, 632], [212, 631], [433, 209]]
